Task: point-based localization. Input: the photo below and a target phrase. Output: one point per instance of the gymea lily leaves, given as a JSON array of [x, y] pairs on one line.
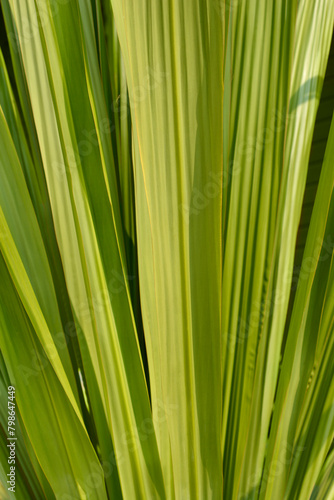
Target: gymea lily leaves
[[85, 249], [223, 102], [273, 77]]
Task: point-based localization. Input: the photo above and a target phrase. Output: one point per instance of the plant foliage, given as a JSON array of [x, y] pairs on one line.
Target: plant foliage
[[153, 164]]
